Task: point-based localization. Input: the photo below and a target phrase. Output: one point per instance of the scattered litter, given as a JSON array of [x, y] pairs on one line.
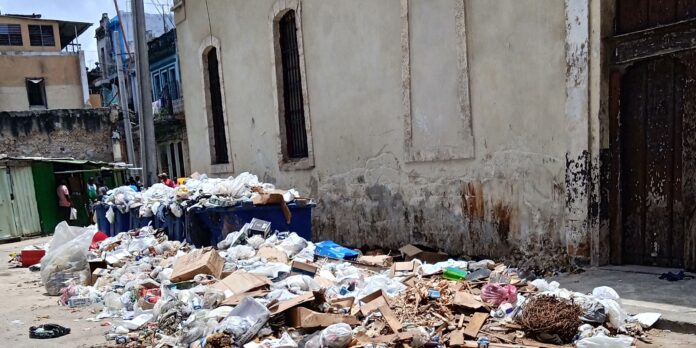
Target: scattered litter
[[48, 331], [264, 288], [673, 277]]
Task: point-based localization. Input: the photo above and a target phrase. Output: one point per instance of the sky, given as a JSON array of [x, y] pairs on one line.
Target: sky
[[89, 11]]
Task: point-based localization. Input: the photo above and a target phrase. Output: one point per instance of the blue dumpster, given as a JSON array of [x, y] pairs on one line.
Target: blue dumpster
[[205, 225], [102, 223]]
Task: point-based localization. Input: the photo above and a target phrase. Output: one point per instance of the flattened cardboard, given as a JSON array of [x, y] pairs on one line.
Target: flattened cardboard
[[272, 254], [410, 252], [197, 262], [273, 197], [300, 317], [343, 302], [302, 268], [372, 302], [376, 260], [235, 299], [282, 306], [390, 317], [241, 282], [465, 299]]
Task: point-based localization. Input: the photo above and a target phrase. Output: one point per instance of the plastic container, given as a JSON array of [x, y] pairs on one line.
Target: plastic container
[[32, 257], [454, 274]]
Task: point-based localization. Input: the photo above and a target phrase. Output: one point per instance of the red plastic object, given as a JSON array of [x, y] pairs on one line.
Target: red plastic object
[[98, 237], [32, 257]]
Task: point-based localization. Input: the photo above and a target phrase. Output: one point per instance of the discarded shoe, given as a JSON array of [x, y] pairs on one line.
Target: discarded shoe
[[48, 331]]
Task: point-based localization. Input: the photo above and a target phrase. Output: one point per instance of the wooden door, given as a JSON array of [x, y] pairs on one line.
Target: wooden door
[[652, 108], [650, 127]]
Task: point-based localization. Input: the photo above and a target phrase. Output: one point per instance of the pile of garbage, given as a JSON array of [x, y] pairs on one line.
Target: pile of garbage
[[266, 289], [197, 191]]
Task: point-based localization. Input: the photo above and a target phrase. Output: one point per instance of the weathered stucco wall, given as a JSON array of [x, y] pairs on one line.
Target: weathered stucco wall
[[80, 134], [61, 73], [507, 199]]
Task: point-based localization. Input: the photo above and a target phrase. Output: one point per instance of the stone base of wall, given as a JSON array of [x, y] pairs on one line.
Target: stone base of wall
[[510, 216], [77, 133]]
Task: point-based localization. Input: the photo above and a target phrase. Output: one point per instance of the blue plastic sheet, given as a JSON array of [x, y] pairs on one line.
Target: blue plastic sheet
[[332, 250]]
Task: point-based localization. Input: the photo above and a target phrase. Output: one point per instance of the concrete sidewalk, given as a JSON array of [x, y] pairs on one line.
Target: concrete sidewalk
[[641, 290]]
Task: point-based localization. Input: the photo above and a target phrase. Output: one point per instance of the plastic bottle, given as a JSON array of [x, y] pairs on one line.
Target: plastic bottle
[[454, 274]]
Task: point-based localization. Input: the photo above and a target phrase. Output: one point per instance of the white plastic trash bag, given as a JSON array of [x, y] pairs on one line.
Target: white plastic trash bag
[[602, 341], [67, 257]]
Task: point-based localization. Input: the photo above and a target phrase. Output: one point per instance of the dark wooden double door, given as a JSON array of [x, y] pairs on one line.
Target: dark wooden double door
[[653, 111]]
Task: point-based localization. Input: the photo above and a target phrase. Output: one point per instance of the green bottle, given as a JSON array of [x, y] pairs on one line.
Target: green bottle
[[454, 274]]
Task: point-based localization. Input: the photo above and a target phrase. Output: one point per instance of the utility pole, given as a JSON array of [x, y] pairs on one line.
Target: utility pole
[[123, 92], [147, 142]]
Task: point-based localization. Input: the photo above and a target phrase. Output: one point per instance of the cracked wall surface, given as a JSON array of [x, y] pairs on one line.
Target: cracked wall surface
[[507, 200], [76, 133]]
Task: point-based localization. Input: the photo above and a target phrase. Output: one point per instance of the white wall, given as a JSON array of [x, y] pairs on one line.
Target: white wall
[[508, 196]]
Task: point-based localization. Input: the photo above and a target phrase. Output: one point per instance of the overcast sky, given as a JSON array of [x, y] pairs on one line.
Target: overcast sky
[[80, 11]]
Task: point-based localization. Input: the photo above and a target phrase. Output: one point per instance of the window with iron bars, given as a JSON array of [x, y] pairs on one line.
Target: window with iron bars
[[295, 131]]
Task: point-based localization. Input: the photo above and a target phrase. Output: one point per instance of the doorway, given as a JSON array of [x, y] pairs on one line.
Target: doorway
[[652, 115]]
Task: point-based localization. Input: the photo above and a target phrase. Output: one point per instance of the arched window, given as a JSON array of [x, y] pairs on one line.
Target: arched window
[[216, 117], [290, 87], [295, 131]]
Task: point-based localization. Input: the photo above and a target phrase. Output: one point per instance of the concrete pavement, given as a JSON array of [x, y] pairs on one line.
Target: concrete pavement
[[641, 290]]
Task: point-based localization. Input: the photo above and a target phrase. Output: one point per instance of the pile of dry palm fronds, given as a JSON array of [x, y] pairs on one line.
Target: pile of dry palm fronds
[[552, 315]]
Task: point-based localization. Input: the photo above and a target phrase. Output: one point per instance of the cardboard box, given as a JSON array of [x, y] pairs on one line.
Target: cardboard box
[[372, 302], [99, 272], [298, 267], [273, 197], [402, 268], [425, 254], [282, 306], [300, 317], [272, 254], [198, 261], [236, 299], [241, 282]]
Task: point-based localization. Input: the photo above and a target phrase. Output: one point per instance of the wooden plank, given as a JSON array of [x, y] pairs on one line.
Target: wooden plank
[[461, 321], [632, 134], [659, 41], [456, 338], [390, 317], [475, 324], [615, 227]]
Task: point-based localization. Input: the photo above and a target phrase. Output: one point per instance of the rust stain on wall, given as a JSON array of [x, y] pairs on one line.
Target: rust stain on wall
[[472, 200]]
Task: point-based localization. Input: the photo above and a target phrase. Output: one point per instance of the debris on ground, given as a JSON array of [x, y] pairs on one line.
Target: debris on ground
[[48, 331], [264, 288]]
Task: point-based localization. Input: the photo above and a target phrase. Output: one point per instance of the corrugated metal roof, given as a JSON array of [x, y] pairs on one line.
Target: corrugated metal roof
[[66, 160]]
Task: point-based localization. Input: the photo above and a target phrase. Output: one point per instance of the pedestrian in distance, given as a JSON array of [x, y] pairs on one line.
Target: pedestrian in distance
[[64, 202]]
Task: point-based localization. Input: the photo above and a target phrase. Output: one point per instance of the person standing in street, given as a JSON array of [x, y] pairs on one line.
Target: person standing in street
[[164, 178], [92, 196], [64, 202], [101, 189]]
